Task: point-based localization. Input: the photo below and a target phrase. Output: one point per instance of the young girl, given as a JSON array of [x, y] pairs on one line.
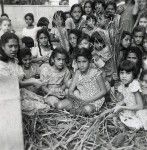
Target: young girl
[[76, 21], [55, 76], [59, 35], [5, 25], [124, 45], [74, 36], [143, 21], [30, 30], [88, 9], [31, 101], [42, 52], [138, 36], [87, 87], [134, 56], [131, 100]]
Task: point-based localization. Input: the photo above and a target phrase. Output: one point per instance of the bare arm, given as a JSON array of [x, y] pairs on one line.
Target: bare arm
[[135, 9]]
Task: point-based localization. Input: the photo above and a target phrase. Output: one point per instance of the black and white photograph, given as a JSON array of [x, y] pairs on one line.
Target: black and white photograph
[[73, 75]]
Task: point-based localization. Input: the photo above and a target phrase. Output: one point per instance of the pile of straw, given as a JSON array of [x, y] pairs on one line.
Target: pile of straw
[[59, 130]]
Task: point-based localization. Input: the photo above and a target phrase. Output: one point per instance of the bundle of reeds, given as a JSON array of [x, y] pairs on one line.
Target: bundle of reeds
[[60, 130]]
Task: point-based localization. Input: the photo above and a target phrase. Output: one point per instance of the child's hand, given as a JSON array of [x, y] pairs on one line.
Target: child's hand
[[36, 82]]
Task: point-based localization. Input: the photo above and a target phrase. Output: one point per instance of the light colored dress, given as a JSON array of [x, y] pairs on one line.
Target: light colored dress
[[53, 79], [132, 119], [87, 87]]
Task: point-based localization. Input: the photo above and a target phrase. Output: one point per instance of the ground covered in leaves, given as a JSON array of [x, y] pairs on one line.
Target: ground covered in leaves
[[59, 130]]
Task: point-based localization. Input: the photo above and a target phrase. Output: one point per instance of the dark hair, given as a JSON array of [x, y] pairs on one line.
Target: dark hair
[[128, 66], [43, 21], [139, 29], [61, 14], [5, 39], [100, 2], [124, 34], [138, 53], [74, 6], [4, 14], [145, 36], [23, 53], [30, 15], [86, 53], [111, 3], [45, 32], [28, 41], [96, 36], [143, 73], [90, 2], [91, 17], [58, 50], [143, 15], [82, 37]]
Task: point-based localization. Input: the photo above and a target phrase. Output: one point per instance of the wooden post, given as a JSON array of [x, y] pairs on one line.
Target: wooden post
[[2, 6], [11, 132]]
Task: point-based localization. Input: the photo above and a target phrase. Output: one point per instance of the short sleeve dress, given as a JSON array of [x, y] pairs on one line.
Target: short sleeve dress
[[52, 78], [87, 87], [129, 117]]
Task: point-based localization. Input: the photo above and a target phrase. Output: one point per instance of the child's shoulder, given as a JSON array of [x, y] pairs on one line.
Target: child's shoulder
[[94, 72], [135, 86]]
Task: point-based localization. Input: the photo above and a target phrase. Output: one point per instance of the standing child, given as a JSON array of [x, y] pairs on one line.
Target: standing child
[[30, 30], [131, 100], [5, 25], [88, 8], [42, 52], [87, 87], [55, 76], [76, 21]]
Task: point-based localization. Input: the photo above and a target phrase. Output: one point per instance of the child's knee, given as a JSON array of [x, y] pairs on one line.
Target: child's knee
[[64, 104], [89, 109], [52, 100]]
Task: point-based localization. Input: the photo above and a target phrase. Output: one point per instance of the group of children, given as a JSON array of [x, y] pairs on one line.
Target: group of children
[[74, 64]]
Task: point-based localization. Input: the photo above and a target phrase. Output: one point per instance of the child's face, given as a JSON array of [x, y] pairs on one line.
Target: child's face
[[11, 48], [98, 45], [142, 4], [59, 61], [126, 41], [145, 44], [91, 22], [138, 37], [99, 8], [132, 57], [126, 77], [76, 13], [43, 39], [26, 61], [83, 64], [110, 10], [144, 84], [28, 20], [144, 62], [143, 22], [88, 8], [73, 40], [84, 44], [6, 25]]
